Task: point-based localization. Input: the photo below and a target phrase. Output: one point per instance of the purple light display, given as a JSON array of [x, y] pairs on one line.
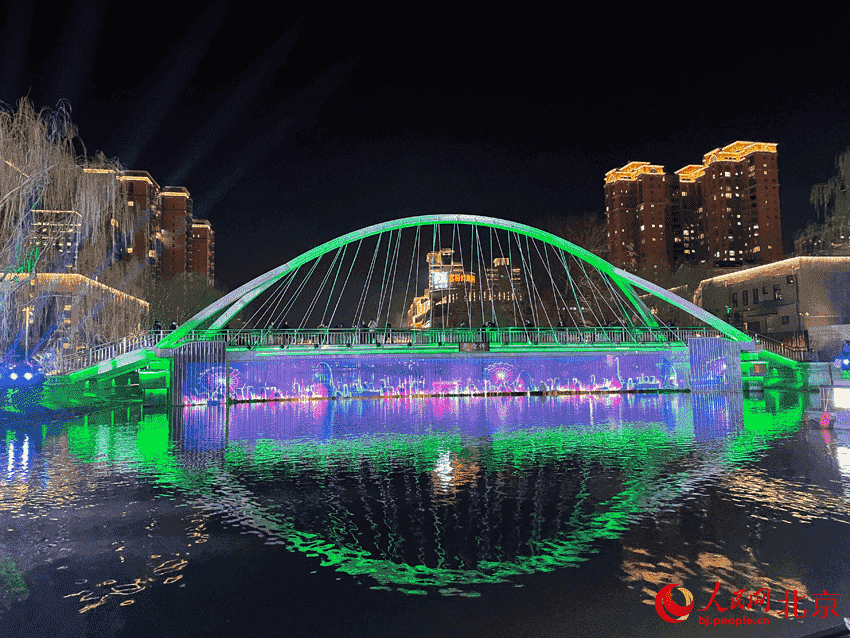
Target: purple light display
[[318, 377]]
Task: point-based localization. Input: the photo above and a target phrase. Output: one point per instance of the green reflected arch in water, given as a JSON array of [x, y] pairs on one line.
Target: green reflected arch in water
[[655, 463]]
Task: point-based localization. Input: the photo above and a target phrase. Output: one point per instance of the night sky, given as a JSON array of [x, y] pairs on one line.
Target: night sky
[[290, 129]]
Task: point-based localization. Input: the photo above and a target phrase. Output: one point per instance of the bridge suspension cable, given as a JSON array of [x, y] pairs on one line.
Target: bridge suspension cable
[[516, 276]]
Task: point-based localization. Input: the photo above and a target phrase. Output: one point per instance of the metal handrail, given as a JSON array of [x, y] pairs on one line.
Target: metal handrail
[[502, 336], [366, 337], [777, 347], [68, 363]]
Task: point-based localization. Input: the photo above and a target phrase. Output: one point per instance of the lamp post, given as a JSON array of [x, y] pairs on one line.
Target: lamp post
[[26, 332]]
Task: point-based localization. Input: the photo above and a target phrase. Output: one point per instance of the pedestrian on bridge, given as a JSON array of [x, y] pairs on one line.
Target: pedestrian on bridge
[[562, 327]]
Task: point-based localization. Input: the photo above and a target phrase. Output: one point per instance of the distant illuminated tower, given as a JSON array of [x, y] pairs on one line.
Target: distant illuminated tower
[[419, 313]]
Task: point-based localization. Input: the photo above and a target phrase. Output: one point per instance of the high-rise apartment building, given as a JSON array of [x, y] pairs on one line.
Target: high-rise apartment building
[[165, 234], [176, 206], [202, 248], [637, 203], [143, 198], [724, 212]]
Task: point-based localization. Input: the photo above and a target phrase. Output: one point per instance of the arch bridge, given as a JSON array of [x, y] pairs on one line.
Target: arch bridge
[[454, 287]]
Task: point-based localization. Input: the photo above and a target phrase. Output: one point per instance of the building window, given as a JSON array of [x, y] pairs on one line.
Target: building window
[[755, 295], [777, 292], [786, 319], [744, 298], [789, 279], [734, 299], [765, 291]]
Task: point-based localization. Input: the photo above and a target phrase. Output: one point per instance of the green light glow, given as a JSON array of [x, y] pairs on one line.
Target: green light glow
[[642, 454], [220, 312]]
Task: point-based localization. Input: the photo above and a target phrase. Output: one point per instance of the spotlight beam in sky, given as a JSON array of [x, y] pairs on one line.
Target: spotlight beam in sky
[[233, 108], [72, 61], [287, 119], [158, 96], [14, 42]]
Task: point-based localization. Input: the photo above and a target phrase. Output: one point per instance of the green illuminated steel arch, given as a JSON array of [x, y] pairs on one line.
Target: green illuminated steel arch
[[217, 314]]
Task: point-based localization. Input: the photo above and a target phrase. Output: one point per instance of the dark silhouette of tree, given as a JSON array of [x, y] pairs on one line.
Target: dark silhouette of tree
[[181, 297]]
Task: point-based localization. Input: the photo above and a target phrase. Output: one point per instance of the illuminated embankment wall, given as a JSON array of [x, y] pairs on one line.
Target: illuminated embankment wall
[[254, 377]]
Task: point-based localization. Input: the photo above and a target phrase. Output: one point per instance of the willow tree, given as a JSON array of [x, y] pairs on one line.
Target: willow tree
[[831, 200], [64, 219]]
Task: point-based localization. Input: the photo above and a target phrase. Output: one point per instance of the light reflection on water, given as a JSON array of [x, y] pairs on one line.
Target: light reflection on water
[[441, 495]]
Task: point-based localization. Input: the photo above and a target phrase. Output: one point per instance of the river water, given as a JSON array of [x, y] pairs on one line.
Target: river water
[[499, 516]]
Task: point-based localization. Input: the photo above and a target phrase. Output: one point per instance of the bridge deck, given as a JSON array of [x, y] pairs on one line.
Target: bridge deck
[[138, 352], [360, 337]]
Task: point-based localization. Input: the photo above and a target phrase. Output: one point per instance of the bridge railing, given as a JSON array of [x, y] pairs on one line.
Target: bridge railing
[[365, 337], [777, 347], [68, 363], [351, 337]]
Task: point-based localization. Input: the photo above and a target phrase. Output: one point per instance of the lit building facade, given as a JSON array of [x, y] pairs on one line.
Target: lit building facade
[[57, 232], [166, 236], [201, 254], [504, 283], [143, 199], [73, 309], [448, 284], [637, 203], [801, 301], [176, 206], [724, 212], [78, 309], [419, 313], [455, 297]]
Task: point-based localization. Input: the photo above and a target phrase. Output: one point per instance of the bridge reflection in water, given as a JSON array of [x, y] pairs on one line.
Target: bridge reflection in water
[[454, 492], [173, 514]]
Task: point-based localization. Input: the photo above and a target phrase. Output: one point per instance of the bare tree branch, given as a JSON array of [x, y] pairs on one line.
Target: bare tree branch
[[61, 214]]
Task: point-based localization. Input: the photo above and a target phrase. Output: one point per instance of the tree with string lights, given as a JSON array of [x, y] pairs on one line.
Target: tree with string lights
[[64, 225]]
